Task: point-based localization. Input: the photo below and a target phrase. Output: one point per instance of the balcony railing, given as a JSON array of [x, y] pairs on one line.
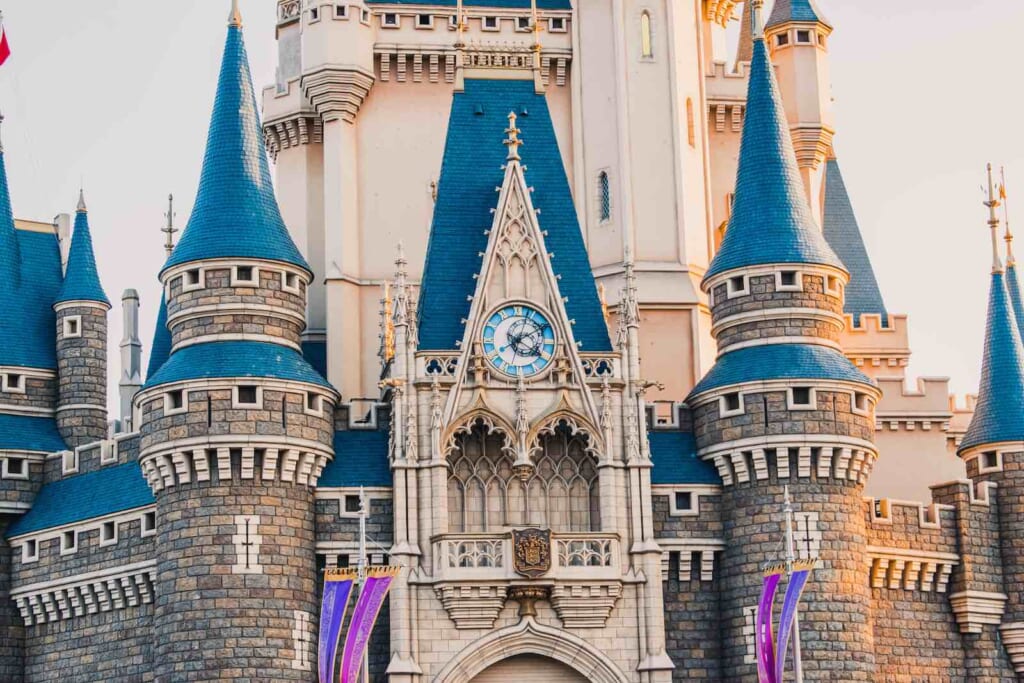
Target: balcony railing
[[489, 556]]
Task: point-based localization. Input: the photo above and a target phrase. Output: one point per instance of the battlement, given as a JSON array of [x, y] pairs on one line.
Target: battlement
[[726, 86], [962, 409], [120, 449], [924, 405], [875, 347], [911, 546]]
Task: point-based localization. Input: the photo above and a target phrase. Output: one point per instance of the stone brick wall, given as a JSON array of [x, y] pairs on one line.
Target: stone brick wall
[[213, 622], [1009, 510], [766, 414], [916, 637], [12, 633], [232, 316], [791, 326], [763, 295], [23, 490], [210, 413], [837, 638], [82, 372], [40, 392]]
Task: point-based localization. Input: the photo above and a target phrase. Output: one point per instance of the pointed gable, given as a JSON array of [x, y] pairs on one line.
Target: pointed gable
[[470, 172], [235, 214], [771, 221], [843, 234], [999, 412], [81, 280]]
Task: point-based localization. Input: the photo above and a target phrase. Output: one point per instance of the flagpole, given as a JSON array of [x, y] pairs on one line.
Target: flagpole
[[798, 668], [361, 569]]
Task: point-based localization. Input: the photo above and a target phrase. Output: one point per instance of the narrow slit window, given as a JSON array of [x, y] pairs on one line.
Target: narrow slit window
[[604, 196], [646, 44]]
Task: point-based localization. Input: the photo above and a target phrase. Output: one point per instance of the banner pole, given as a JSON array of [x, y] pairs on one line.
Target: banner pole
[[798, 669], [362, 571]]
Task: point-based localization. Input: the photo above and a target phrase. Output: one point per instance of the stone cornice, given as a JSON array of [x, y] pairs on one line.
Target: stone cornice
[[337, 92]]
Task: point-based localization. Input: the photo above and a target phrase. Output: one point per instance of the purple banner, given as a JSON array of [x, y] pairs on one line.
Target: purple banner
[[797, 581], [364, 616], [764, 639], [337, 591]]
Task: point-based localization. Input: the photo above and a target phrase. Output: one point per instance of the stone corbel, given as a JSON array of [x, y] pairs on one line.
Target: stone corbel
[[585, 605], [473, 606], [976, 609]]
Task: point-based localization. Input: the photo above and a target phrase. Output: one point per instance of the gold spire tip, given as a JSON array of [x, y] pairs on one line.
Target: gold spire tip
[[235, 18]]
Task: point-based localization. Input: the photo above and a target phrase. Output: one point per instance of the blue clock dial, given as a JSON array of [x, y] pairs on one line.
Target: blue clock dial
[[518, 340]]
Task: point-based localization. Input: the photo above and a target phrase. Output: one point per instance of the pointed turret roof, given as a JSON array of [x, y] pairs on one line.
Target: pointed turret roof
[[786, 11], [235, 214], [81, 280], [9, 258], [843, 234], [771, 221]]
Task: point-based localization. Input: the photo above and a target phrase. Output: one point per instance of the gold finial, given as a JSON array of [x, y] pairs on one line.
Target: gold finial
[[993, 222], [1010, 260], [460, 25], [235, 18], [604, 302], [536, 26], [389, 325], [81, 201], [756, 24], [513, 142]]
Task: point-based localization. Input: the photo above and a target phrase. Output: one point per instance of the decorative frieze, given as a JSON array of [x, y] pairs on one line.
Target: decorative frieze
[[77, 596], [897, 569], [835, 462], [165, 469]]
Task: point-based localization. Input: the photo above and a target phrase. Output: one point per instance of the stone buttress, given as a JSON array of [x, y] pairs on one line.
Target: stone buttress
[[235, 425]]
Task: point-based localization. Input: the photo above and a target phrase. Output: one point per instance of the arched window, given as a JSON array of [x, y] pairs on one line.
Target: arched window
[[646, 45], [484, 495], [691, 135], [604, 196]]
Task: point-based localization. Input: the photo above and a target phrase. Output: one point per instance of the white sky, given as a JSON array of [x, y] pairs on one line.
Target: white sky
[[117, 93]]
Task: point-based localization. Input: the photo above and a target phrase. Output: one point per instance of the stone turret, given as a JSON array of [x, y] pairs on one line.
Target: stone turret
[[993, 450], [235, 425], [81, 309], [782, 406]]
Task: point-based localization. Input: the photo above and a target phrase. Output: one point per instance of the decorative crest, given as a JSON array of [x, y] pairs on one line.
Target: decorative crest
[[993, 222], [513, 142], [235, 18], [169, 228]]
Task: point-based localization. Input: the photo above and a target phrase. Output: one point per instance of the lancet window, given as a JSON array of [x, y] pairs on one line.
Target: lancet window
[[484, 495]]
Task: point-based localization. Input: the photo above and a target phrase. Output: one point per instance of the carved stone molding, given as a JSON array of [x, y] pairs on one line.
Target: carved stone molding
[[166, 469], [1013, 641], [293, 131], [975, 609], [337, 92], [585, 605], [77, 596], [472, 606]]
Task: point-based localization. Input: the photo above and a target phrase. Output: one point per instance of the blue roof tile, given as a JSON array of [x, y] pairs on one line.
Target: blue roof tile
[[786, 11], [236, 359], [27, 320], [28, 433], [1016, 302], [471, 169], [81, 281], [9, 257], [235, 214], [843, 234], [316, 353], [779, 361], [360, 459], [85, 496], [999, 412], [674, 455], [771, 221], [161, 347]]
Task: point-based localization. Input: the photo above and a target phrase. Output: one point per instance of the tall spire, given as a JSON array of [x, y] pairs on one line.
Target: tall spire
[[81, 280], [235, 214], [999, 412], [10, 259], [771, 220]]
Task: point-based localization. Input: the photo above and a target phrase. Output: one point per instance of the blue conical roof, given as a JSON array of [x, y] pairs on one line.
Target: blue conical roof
[[1016, 302], [235, 214], [786, 11], [9, 258], [161, 347], [81, 281], [771, 221], [999, 412]]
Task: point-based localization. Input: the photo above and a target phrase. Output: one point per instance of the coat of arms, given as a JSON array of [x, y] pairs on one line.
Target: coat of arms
[[531, 552]]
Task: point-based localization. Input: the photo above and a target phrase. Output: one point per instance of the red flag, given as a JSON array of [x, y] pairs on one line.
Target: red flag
[[5, 49]]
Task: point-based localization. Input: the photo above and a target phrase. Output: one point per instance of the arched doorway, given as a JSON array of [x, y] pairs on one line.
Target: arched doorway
[[529, 669]]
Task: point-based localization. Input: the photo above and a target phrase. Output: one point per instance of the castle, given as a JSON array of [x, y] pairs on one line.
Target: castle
[[606, 286]]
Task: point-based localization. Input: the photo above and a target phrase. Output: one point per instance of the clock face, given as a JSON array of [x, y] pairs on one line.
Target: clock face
[[518, 340]]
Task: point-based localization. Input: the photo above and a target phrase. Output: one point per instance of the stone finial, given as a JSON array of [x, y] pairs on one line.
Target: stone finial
[[513, 142], [757, 21], [993, 222], [235, 17], [81, 208], [169, 228], [1010, 260]]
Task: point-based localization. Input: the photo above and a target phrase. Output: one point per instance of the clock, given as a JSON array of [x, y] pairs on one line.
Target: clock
[[518, 340]]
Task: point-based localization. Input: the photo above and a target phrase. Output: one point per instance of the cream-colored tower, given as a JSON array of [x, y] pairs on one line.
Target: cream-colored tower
[[798, 35]]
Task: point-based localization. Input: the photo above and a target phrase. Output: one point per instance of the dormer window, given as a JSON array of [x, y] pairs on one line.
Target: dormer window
[[788, 281], [491, 24], [731, 404], [424, 21], [801, 398], [737, 286], [803, 36], [13, 383], [248, 396], [556, 24], [782, 40], [175, 402], [245, 275], [389, 20], [72, 326], [192, 279]]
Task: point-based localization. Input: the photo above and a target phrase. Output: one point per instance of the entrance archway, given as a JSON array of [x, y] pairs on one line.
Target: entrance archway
[[529, 669]]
